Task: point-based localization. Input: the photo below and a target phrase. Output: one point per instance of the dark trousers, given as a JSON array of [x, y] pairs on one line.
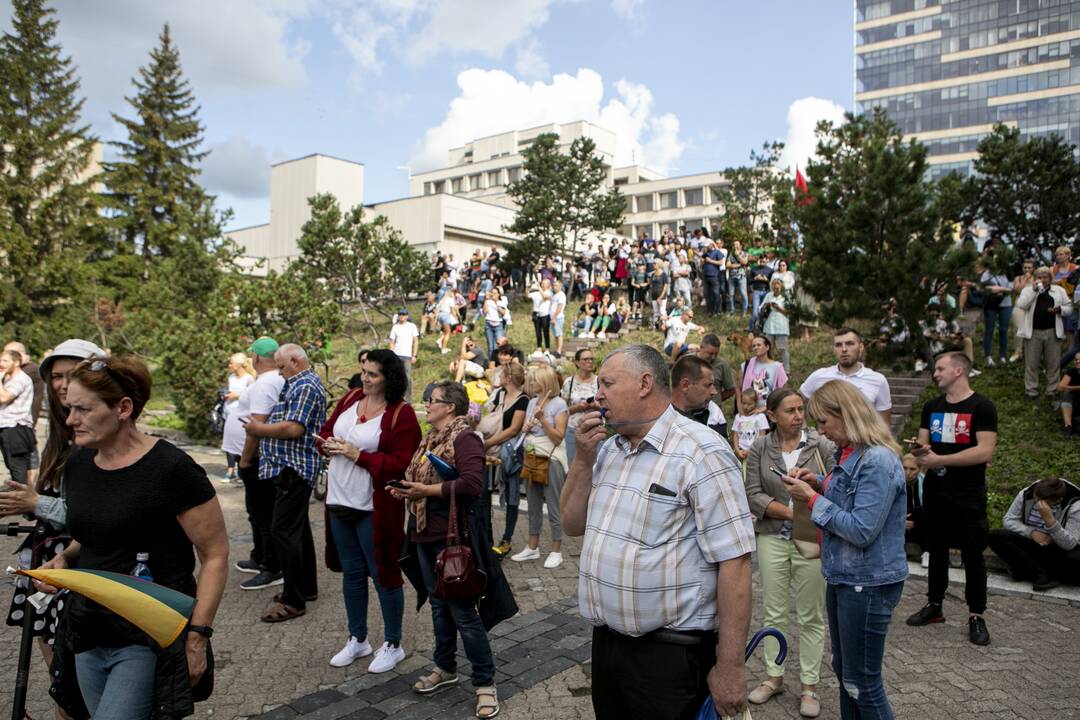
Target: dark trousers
[[1027, 558], [957, 520], [291, 531], [17, 445], [542, 328], [858, 623], [712, 294], [646, 679], [450, 618], [259, 503]]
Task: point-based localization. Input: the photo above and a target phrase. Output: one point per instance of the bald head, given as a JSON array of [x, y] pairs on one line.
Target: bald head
[[291, 360]]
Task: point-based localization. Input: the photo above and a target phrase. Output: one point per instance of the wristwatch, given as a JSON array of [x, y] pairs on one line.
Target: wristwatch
[[205, 630]]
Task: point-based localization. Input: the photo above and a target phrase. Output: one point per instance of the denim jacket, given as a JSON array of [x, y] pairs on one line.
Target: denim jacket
[[862, 514]]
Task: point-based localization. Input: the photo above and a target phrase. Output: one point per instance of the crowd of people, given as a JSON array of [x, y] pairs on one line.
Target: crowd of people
[[637, 455]]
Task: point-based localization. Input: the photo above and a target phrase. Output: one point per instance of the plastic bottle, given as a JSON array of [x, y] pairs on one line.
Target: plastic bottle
[[141, 569]]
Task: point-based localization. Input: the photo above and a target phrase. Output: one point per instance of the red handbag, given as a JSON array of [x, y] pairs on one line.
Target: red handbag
[[456, 577]]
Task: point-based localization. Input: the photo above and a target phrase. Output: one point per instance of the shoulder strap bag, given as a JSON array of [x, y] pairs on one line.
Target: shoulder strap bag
[[804, 533], [456, 577]]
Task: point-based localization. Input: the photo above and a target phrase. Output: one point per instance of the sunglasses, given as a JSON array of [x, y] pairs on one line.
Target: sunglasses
[[435, 401]]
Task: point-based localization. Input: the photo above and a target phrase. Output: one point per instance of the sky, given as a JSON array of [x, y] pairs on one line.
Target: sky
[[686, 86]]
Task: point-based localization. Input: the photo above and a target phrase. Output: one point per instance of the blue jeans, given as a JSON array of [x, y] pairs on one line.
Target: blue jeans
[[858, 622], [999, 316], [711, 285], [117, 683], [757, 297], [736, 283], [492, 333], [355, 541], [449, 618]]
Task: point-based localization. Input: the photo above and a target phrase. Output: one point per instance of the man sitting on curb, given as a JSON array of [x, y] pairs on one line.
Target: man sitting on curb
[[1041, 534]]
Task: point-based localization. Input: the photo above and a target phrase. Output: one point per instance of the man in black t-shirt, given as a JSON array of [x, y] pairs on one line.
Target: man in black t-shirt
[[957, 438], [1069, 387]]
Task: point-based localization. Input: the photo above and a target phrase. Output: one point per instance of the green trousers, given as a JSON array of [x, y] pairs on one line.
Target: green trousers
[[782, 567]]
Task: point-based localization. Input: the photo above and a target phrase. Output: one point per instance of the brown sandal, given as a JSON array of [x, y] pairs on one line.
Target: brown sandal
[[280, 612]]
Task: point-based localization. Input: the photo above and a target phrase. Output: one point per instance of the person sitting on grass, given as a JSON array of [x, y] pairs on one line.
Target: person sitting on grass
[[677, 329], [470, 361], [1069, 387], [1041, 534]]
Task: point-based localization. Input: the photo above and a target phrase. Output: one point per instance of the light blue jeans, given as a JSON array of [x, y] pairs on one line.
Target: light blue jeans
[[117, 683]]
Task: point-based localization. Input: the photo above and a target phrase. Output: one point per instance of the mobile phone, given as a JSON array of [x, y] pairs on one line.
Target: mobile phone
[[318, 438], [244, 420], [396, 484], [776, 472], [912, 441]]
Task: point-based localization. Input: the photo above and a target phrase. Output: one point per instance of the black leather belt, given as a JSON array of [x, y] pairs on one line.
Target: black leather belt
[[669, 637]]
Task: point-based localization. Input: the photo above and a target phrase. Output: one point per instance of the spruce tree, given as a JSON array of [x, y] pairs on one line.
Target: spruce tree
[[164, 227], [47, 201]]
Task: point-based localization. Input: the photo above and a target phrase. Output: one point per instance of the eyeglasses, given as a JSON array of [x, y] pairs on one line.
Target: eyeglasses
[[590, 359], [100, 365], [435, 400]]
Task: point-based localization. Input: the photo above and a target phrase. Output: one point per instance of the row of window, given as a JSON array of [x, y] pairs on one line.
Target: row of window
[[476, 181], [961, 34], [670, 199], [1049, 112], [657, 230], [875, 9]]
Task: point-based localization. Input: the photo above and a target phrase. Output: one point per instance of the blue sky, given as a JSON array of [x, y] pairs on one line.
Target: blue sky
[[687, 86]]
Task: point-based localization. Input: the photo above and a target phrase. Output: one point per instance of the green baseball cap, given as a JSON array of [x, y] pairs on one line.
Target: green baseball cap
[[264, 347]]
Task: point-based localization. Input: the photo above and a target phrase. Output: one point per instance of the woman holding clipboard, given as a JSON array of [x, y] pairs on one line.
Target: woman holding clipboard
[[788, 447]]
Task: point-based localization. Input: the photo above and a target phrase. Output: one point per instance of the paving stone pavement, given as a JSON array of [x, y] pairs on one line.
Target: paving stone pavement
[[282, 671]]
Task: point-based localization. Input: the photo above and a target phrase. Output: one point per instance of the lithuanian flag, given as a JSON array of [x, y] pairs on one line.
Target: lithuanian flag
[[160, 612]]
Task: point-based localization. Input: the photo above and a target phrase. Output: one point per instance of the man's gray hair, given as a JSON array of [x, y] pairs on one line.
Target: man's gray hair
[[292, 351], [646, 358]]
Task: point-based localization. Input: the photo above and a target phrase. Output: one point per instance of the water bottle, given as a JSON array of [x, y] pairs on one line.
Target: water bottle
[[141, 569]]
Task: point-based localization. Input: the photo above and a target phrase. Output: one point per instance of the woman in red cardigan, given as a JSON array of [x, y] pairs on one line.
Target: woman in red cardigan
[[370, 439]]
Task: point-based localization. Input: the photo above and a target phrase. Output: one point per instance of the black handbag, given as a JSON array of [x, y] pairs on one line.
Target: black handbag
[[456, 577]]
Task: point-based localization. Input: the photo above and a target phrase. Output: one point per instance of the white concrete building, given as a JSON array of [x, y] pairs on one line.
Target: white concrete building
[[464, 205]]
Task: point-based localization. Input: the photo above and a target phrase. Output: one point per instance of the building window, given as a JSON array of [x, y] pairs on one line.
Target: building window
[[440, 186], [429, 188], [695, 196], [455, 185], [621, 181], [474, 181], [669, 200], [514, 174], [494, 178], [644, 203]]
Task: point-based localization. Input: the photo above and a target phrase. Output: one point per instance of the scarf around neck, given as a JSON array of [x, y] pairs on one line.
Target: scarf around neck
[[440, 443]]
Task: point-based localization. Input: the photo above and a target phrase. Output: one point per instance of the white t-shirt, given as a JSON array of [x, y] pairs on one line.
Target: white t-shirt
[[348, 484], [541, 303], [716, 415], [558, 304], [746, 428], [491, 312], [18, 411], [258, 398], [677, 330], [401, 338], [575, 392], [446, 305], [237, 384], [871, 383]]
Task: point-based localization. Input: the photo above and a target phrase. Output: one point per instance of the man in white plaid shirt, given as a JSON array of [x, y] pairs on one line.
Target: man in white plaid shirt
[[665, 565]]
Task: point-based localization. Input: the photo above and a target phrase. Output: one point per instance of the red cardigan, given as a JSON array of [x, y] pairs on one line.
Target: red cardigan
[[398, 439]]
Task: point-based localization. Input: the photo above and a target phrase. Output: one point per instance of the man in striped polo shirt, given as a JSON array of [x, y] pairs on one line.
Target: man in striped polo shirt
[[665, 564]]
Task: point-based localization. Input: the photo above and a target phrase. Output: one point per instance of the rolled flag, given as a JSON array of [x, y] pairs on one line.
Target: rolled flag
[[160, 612]]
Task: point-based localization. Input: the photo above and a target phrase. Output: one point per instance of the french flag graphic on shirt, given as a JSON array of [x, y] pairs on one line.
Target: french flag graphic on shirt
[[950, 428]]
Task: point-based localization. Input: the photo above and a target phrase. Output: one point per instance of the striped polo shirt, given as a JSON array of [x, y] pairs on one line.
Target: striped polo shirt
[[661, 517]]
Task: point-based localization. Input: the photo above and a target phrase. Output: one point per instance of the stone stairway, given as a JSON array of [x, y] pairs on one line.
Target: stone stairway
[[906, 390], [571, 344]]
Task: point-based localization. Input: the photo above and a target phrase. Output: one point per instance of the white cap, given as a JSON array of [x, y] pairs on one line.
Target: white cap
[[74, 348]]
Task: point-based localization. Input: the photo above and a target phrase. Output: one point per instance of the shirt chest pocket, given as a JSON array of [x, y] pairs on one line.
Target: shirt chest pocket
[[662, 517]]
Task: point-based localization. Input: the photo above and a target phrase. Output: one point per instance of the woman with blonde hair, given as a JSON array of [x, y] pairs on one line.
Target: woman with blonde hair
[[860, 507], [545, 462], [241, 376]]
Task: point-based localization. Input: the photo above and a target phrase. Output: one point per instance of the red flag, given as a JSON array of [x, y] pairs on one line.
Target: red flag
[[802, 187]]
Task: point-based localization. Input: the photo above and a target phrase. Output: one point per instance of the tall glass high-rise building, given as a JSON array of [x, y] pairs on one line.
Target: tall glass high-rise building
[[947, 70]]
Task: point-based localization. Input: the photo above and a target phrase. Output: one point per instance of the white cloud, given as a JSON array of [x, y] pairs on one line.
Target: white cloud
[[237, 168], [479, 26], [493, 101], [627, 9], [530, 62], [802, 118]]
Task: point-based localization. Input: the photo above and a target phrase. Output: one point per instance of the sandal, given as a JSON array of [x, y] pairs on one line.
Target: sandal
[[280, 612], [764, 692], [809, 707], [487, 702], [436, 680], [280, 597], [502, 549]]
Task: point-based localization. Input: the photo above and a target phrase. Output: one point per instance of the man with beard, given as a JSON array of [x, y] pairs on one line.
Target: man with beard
[[848, 350]]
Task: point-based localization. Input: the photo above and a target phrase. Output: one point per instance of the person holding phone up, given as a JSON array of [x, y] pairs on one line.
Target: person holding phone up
[[579, 392]]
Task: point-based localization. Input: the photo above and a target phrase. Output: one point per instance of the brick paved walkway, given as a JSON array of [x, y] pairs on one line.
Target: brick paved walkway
[[282, 671]]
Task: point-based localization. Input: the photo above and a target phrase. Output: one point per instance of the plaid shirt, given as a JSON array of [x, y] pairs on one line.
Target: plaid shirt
[[301, 400], [660, 519]]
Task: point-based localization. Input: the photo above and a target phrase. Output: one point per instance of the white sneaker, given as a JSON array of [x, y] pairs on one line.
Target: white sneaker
[[974, 373], [554, 560], [920, 365], [925, 560], [990, 362], [527, 554], [386, 658], [353, 650]]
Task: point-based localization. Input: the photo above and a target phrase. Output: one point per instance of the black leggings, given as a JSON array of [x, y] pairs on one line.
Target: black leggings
[[542, 327], [1026, 558]]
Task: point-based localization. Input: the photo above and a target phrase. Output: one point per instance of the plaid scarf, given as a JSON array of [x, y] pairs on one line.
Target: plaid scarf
[[440, 443]]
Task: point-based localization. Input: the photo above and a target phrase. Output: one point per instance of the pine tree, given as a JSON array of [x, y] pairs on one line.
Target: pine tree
[[164, 225], [47, 200]]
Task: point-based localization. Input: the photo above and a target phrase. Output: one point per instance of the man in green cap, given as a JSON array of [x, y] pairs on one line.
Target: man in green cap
[[255, 404]]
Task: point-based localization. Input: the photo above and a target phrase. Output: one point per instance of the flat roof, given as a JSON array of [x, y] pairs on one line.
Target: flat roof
[[311, 155], [443, 194], [534, 127], [247, 227]]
